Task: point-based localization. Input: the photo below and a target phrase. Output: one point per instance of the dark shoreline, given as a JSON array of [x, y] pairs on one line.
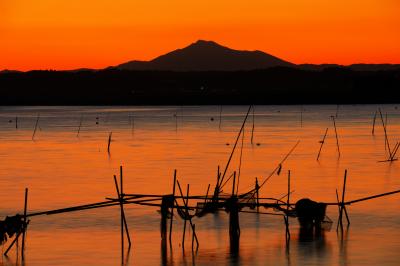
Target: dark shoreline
[[279, 85]]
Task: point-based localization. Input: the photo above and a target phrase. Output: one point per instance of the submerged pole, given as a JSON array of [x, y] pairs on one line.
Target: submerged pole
[[373, 123], [336, 134], [187, 213], [172, 209], [322, 144], [257, 188], [25, 223], [109, 142], [36, 125]]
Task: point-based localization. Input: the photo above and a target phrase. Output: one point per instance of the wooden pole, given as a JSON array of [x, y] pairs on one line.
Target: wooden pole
[[205, 199], [257, 188], [342, 202], [336, 134], [386, 137], [194, 229], [234, 181], [36, 125], [252, 129], [132, 120], [322, 144], [240, 164], [187, 213], [373, 123], [234, 147], [339, 223], [287, 209], [109, 142], [122, 200], [172, 210], [79, 128], [25, 223]]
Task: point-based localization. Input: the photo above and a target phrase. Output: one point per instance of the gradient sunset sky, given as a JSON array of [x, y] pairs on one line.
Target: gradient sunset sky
[[70, 34]]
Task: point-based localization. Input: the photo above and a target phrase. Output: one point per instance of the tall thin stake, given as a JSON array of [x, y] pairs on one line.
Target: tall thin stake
[[187, 213], [234, 147], [252, 128], [287, 208], [373, 123], [240, 164], [336, 134], [386, 137], [36, 125], [172, 210], [109, 142], [25, 223], [79, 128], [322, 143]]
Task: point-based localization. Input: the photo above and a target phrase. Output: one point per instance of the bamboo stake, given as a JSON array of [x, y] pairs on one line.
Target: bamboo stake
[[36, 125], [257, 188], [172, 210], [373, 123], [322, 143], [337, 139], [187, 209], [396, 147], [187, 213], [234, 147], [252, 129], [109, 142], [122, 199], [79, 128], [25, 224], [194, 229], [280, 164], [386, 137], [233, 185], [372, 197], [342, 207], [205, 199], [122, 215], [240, 163], [338, 204], [287, 208]]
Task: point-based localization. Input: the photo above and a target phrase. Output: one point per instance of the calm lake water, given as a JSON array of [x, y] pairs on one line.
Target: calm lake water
[[62, 169]]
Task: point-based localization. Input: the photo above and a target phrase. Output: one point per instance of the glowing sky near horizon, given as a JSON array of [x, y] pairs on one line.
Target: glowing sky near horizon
[[61, 34]]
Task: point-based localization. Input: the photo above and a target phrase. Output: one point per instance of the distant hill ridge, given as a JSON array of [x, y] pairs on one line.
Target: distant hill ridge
[[208, 56]]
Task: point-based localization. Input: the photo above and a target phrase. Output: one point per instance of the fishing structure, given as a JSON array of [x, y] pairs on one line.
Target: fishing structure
[[310, 214]]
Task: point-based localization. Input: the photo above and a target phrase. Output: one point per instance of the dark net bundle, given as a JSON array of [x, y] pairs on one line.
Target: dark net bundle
[[12, 225]]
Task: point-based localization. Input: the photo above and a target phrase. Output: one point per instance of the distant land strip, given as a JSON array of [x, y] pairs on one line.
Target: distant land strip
[[275, 85]]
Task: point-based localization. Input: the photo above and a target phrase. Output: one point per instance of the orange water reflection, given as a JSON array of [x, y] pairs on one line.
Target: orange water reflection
[[61, 170]]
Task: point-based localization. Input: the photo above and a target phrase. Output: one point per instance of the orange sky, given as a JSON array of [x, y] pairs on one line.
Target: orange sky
[[67, 34]]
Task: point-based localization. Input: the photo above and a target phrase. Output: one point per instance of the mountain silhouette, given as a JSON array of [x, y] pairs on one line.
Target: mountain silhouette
[[207, 56]]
